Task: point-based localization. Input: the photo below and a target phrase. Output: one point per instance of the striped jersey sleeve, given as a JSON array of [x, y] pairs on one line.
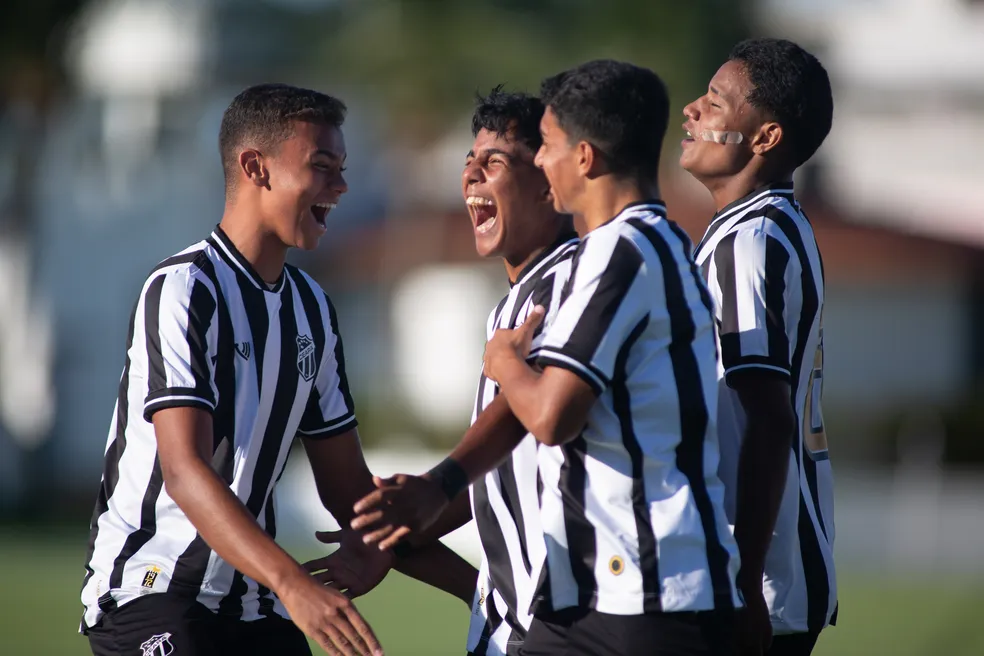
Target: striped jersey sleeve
[[751, 280], [598, 312], [181, 335], [330, 410]]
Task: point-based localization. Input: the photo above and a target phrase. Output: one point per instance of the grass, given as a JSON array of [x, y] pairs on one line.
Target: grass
[[40, 573]]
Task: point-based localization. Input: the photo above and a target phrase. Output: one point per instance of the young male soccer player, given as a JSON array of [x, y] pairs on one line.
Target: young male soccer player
[[639, 556], [765, 113], [513, 218], [231, 353]]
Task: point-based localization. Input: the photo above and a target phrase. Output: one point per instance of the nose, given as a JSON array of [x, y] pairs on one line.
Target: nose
[[538, 158], [471, 174], [339, 184], [691, 111]]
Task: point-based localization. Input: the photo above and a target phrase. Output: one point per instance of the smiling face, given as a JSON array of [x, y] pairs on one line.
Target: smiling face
[[723, 108], [507, 198], [304, 183]]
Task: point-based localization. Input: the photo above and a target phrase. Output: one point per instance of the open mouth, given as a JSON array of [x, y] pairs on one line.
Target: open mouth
[[320, 212], [689, 130], [483, 212]]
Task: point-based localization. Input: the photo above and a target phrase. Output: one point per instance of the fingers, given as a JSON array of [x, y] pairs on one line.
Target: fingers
[[380, 534], [347, 637], [533, 320], [374, 499], [325, 643], [394, 538], [329, 537], [362, 628], [362, 521], [318, 564]]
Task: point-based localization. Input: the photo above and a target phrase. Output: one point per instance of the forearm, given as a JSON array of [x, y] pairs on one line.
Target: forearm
[[457, 514], [762, 471], [489, 441], [440, 567], [227, 526]]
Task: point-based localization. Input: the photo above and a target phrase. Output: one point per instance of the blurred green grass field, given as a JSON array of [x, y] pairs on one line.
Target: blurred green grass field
[[40, 573]]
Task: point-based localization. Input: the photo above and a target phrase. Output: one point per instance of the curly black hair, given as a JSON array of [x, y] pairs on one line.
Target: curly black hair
[[262, 116], [515, 114], [793, 87], [619, 108]]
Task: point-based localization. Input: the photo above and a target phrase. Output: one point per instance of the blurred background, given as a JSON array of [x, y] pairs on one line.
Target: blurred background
[[109, 116]]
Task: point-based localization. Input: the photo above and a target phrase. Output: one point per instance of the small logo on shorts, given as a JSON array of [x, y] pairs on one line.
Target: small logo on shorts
[[616, 566], [150, 577], [158, 645]]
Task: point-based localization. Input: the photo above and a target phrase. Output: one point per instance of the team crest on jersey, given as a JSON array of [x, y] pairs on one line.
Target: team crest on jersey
[[616, 566], [306, 364], [158, 645], [150, 576]]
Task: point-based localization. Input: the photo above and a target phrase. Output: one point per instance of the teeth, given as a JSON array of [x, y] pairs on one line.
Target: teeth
[[327, 206], [478, 200], [689, 135], [485, 227]]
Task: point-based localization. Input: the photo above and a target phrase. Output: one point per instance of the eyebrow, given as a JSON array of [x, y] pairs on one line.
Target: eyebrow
[[329, 154], [489, 152]]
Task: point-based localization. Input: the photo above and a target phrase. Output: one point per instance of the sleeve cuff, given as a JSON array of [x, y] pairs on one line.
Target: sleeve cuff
[[338, 426], [777, 370], [176, 397], [591, 375]]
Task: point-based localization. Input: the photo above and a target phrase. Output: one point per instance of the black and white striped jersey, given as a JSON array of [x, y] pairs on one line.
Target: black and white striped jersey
[[763, 268], [506, 503], [632, 509], [266, 361]]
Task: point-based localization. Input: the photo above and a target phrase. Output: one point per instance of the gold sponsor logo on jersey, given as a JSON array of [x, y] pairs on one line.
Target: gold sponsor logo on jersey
[[616, 565]]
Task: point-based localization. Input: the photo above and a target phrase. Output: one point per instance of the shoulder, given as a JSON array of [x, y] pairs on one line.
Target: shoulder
[[306, 283], [183, 271]]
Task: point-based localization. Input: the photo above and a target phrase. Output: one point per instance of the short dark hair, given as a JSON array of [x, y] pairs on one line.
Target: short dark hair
[[263, 116], [619, 108], [792, 86], [505, 113]]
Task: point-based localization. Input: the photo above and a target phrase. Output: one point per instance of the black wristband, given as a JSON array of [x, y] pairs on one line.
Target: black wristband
[[449, 475], [402, 549]]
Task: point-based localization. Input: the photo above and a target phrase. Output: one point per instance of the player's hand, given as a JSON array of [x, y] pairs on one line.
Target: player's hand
[[512, 343], [753, 625], [328, 617], [354, 568], [400, 507]]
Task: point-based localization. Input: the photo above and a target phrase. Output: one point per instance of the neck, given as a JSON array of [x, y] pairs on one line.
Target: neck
[[609, 196], [728, 189], [261, 248], [515, 265]]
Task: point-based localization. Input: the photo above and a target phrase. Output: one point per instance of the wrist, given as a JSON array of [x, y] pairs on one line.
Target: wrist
[[286, 577], [449, 476]]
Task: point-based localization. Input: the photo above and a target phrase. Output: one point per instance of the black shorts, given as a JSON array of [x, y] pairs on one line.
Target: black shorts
[[162, 624], [583, 632], [793, 644]]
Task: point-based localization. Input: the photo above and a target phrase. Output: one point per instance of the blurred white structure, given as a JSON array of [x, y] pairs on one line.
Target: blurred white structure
[[439, 321], [908, 134]]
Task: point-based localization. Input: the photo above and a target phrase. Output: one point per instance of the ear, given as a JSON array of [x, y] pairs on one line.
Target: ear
[[252, 166], [588, 159], [768, 137]]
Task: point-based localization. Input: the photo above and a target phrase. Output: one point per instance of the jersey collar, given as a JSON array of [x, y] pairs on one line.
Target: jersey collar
[[221, 242], [565, 237], [784, 189]]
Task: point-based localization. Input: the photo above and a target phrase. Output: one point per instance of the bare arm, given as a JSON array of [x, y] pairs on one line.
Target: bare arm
[[342, 477], [184, 439], [762, 466]]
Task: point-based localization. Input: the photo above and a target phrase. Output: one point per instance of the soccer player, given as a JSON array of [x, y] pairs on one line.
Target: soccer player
[[230, 355], [513, 218], [765, 113], [639, 555]]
